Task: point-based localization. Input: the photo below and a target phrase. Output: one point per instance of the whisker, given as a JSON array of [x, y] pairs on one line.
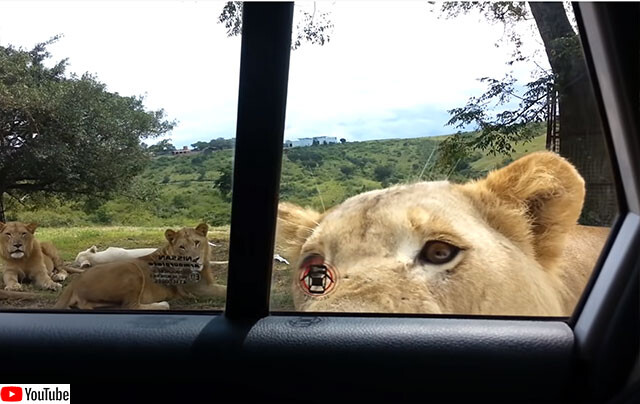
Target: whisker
[[298, 224], [318, 189], [427, 163], [452, 169], [321, 201]]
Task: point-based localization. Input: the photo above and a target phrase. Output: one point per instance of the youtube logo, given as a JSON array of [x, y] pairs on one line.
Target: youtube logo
[[35, 393], [11, 393]]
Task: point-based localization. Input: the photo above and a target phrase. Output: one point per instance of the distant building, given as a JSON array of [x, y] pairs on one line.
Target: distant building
[[309, 141], [184, 150], [304, 141], [325, 139]]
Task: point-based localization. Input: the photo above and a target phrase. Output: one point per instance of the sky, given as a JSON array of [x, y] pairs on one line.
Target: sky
[[390, 69]]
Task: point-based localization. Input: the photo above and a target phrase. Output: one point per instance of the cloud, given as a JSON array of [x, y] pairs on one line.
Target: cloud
[[390, 69], [418, 121]]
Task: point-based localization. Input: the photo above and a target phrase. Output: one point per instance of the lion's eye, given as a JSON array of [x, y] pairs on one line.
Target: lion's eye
[[438, 252], [182, 247], [7, 234], [197, 243], [24, 234]]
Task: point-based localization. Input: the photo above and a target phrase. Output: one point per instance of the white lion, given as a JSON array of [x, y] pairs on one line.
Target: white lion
[[92, 256]]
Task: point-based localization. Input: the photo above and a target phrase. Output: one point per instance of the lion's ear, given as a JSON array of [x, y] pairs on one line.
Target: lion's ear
[[295, 225], [32, 227], [93, 249], [202, 229], [170, 235], [547, 190], [2, 226]]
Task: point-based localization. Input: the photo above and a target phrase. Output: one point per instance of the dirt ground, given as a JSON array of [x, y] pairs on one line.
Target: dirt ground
[[281, 299]]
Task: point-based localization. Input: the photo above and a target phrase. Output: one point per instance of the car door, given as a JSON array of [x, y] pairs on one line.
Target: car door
[[248, 353]]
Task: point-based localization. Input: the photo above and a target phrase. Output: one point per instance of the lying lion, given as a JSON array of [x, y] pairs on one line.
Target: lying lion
[[92, 256], [130, 284], [505, 245], [27, 258]]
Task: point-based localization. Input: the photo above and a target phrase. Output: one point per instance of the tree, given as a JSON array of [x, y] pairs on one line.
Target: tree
[[67, 135], [162, 147], [200, 145], [305, 157], [225, 181], [222, 143], [347, 170], [581, 136], [343, 140], [311, 27], [382, 173]]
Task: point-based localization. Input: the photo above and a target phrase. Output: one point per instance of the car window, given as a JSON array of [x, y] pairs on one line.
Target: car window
[[440, 159], [118, 127]]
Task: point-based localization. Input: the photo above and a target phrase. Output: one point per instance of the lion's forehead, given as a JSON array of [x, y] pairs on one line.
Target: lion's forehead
[[15, 227], [399, 218], [188, 235], [393, 207]]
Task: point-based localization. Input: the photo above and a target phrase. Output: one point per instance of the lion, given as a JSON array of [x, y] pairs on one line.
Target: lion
[[508, 244], [130, 285], [92, 256], [27, 258]]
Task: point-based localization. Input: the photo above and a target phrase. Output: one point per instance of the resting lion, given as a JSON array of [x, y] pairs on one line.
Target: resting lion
[[92, 256], [508, 244], [129, 284], [26, 258]]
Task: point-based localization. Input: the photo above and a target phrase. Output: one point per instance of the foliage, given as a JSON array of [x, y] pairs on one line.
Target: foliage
[[313, 27], [225, 181], [308, 157], [186, 189], [506, 13], [231, 17], [162, 147], [347, 170], [382, 173], [67, 135], [504, 111], [215, 144]]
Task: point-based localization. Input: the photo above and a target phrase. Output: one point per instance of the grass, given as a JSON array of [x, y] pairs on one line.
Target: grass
[[71, 240], [333, 172], [489, 162]]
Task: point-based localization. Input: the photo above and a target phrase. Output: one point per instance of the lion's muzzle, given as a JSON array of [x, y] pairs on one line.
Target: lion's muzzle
[[17, 251]]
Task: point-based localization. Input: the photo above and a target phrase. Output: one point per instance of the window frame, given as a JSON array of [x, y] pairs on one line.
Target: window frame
[[253, 345]]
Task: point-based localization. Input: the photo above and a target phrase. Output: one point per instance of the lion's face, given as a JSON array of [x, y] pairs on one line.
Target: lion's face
[[189, 242], [17, 239], [436, 247], [83, 259]]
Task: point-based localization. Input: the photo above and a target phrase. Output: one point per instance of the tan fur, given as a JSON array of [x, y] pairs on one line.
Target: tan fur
[[128, 284], [522, 252], [35, 261]]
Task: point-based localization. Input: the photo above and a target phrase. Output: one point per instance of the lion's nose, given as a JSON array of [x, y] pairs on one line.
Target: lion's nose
[[17, 244]]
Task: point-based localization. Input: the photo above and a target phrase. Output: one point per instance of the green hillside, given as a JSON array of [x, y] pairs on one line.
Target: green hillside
[[179, 190], [490, 162]]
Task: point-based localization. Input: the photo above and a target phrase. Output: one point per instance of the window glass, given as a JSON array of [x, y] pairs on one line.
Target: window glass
[[442, 158], [117, 140]]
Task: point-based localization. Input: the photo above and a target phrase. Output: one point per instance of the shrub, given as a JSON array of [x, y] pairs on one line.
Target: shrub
[[382, 173]]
